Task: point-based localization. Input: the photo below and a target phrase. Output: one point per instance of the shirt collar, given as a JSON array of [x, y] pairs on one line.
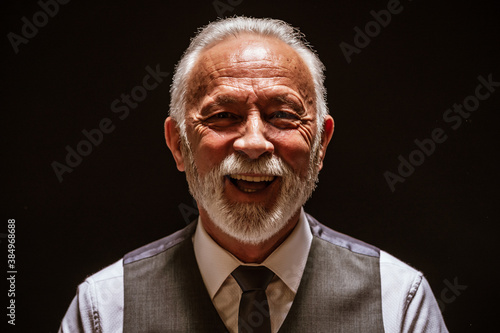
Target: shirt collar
[[287, 261]]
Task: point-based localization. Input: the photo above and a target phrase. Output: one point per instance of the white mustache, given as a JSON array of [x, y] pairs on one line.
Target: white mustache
[[266, 165]]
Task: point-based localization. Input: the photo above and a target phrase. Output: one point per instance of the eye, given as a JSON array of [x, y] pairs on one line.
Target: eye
[[223, 115], [284, 115], [222, 119], [284, 119]]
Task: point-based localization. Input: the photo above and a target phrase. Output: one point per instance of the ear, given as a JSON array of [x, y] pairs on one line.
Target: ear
[[328, 127], [173, 138]]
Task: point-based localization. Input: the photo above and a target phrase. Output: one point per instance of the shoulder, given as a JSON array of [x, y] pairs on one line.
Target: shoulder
[[336, 238], [393, 265], [110, 272], [98, 304], [99, 301], [408, 303], [400, 278], [407, 299], [161, 245], [105, 284]]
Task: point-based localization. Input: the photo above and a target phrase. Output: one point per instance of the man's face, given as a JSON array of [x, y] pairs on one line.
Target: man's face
[[251, 131]]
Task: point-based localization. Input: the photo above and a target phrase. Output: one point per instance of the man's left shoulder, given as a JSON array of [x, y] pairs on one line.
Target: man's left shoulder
[[407, 300], [386, 260], [396, 265], [331, 236]]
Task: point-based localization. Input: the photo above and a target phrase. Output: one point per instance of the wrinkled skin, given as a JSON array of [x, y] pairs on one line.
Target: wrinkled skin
[[251, 95]]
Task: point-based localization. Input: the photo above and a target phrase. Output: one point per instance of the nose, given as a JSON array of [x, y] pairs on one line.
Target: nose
[[253, 141]]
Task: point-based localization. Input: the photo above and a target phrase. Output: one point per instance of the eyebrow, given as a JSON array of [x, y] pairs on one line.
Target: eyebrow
[[224, 99], [283, 99], [219, 100], [279, 99]]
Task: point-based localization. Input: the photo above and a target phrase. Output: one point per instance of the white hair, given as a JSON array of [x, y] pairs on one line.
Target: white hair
[[224, 28]]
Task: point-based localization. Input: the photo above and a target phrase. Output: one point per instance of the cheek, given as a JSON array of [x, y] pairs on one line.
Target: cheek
[[209, 149], [294, 150]]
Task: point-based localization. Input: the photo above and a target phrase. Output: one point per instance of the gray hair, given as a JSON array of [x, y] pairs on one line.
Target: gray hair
[[222, 29]]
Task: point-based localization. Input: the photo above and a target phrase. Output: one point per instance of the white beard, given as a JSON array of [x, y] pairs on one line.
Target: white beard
[[250, 223]]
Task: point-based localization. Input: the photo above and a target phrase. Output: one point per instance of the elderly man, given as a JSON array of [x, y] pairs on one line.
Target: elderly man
[[250, 127]]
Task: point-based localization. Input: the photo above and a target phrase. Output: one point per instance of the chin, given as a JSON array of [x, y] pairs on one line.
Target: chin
[[250, 223]]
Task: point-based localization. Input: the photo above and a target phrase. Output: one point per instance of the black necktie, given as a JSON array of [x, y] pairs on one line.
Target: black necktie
[[253, 314]]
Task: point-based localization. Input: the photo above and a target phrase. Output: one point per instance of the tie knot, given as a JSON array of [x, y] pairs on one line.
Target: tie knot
[[252, 277]]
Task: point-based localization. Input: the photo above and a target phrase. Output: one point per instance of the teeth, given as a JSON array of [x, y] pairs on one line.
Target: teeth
[[253, 179]]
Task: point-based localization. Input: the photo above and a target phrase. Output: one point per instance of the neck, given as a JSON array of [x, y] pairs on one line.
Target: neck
[[248, 253]]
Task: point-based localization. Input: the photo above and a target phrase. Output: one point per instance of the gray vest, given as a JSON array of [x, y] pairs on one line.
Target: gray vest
[[339, 291]]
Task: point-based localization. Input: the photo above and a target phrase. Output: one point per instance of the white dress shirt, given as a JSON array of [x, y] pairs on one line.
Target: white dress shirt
[[408, 304], [287, 262]]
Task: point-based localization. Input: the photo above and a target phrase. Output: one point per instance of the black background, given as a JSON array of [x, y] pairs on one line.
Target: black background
[[127, 192]]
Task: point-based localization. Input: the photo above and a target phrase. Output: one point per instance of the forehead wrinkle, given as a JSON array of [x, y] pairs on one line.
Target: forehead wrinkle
[[213, 65], [271, 71], [211, 62]]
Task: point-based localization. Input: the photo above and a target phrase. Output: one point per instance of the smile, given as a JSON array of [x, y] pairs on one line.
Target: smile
[[251, 184]]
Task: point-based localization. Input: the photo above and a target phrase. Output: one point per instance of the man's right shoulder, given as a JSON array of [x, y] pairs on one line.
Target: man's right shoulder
[[99, 301], [115, 270], [98, 304], [112, 271], [161, 245]]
